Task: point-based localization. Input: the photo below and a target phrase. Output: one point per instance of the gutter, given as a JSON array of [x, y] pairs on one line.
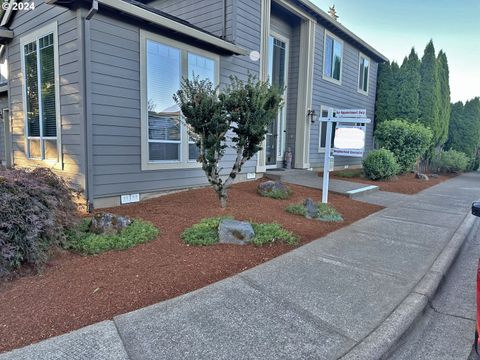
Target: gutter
[[159, 20]]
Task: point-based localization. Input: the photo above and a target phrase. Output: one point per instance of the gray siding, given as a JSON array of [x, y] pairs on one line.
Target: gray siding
[[340, 96], [116, 114], [70, 94]]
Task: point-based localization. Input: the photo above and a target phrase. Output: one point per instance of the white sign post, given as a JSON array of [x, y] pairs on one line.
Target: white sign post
[[348, 116]]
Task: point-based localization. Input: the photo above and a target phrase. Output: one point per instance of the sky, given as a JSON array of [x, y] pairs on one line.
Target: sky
[[393, 27]]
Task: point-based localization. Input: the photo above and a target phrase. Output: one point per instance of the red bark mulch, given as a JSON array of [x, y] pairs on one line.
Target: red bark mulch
[[404, 184], [74, 291]]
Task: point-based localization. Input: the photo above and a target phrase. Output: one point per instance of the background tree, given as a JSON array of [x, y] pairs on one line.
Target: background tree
[[429, 95], [244, 109], [385, 102], [408, 87], [464, 130], [444, 109]]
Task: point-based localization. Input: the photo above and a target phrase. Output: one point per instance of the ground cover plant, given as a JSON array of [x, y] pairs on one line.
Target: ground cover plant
[[324, 212], [81, 240], [205, 232]]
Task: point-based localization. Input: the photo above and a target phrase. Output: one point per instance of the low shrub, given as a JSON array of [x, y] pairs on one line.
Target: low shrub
[[450, 161], [380, 164], [203, 233], [269, 233], [324, 212], [36, 208], [349, 174], [407, 141], [81, 240], [206, 233]]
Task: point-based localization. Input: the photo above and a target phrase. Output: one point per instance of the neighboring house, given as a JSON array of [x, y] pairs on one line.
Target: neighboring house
[[91, 83]]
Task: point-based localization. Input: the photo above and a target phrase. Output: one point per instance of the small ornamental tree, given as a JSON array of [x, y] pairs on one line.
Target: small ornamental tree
[[237, 118]]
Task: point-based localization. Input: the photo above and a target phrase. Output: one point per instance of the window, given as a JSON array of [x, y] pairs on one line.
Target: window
[[332, 59], [166, 62], [40, 94], [322, 130], [363, 73]]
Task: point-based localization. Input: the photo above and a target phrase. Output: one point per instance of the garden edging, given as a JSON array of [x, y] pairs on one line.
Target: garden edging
[[381, 341]]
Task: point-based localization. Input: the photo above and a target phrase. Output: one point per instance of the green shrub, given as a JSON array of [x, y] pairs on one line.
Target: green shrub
[[203, 233], [36, 207], [407, 141], [206, 233], [83, 241], [380, 164], [450, 161], [325, 212], [278, 194], [269, 233], [353, 173]]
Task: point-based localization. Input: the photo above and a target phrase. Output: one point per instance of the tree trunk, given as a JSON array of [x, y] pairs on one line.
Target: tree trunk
[[222, 195]]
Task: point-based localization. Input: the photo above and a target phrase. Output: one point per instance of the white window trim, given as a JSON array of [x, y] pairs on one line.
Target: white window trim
[[184, 162], [360, 56], [282, 138], [52, 28], [335, 38], [322, 109]]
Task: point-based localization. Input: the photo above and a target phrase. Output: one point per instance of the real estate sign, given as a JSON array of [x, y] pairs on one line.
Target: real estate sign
[[349, 140], [350, 113]]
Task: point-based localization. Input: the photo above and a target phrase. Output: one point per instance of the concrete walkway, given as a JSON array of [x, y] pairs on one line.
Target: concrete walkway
[[348, 295], [311, 179]]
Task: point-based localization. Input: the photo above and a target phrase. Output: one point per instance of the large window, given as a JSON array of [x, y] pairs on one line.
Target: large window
[[166, 63], [40, 95], [363, 73], [333, 58], [322, 130]]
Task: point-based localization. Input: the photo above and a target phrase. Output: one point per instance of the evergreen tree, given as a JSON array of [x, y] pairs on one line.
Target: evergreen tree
[[383, 109], [408, 87], [464, 129], [429, 96], [443, 78]]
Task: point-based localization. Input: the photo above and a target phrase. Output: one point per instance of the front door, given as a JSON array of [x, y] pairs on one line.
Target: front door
[[277, 71]]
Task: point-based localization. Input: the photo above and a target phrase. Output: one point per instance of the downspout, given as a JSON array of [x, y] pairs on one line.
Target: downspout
[[87, 103], [224, 20]]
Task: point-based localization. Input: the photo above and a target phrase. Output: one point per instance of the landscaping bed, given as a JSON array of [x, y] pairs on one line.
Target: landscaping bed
[[74, 290], [404, 184]]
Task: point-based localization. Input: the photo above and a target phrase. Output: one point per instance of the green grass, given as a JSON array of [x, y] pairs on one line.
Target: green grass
[[206, 233], [353, 173], [325, 212], [82, 241]]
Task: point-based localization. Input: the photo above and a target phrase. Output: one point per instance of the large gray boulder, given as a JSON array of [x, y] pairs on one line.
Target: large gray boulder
[[274, 189], [107, 223], [235, 232], [311, 210]]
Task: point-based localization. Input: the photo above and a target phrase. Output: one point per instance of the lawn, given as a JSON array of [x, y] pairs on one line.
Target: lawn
[[74, 290], [404, 184]]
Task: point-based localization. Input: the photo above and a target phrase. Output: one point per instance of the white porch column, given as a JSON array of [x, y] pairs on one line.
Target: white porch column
[[305, 88]]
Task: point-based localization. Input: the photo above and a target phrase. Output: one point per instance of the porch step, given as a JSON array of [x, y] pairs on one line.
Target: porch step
[[311, 179]]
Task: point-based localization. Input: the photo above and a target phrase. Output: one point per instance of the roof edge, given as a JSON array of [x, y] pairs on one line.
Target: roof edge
[[308, 4], [157, 19]]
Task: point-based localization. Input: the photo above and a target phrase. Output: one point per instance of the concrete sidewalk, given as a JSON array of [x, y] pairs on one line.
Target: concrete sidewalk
[[348, 295]]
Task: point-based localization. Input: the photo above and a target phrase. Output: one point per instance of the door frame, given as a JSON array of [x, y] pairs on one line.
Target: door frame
[[281, 123]]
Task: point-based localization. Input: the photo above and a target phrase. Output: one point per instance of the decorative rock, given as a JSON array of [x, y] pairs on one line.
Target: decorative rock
[[434, 176], [107, 223], [235, 232], [422, 177], [268, 187], [311, 209]]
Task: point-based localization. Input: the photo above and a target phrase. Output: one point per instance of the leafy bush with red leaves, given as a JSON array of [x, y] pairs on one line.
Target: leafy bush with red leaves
[[36, 207]]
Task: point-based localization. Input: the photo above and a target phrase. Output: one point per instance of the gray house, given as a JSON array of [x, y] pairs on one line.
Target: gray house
[[90, 85]]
